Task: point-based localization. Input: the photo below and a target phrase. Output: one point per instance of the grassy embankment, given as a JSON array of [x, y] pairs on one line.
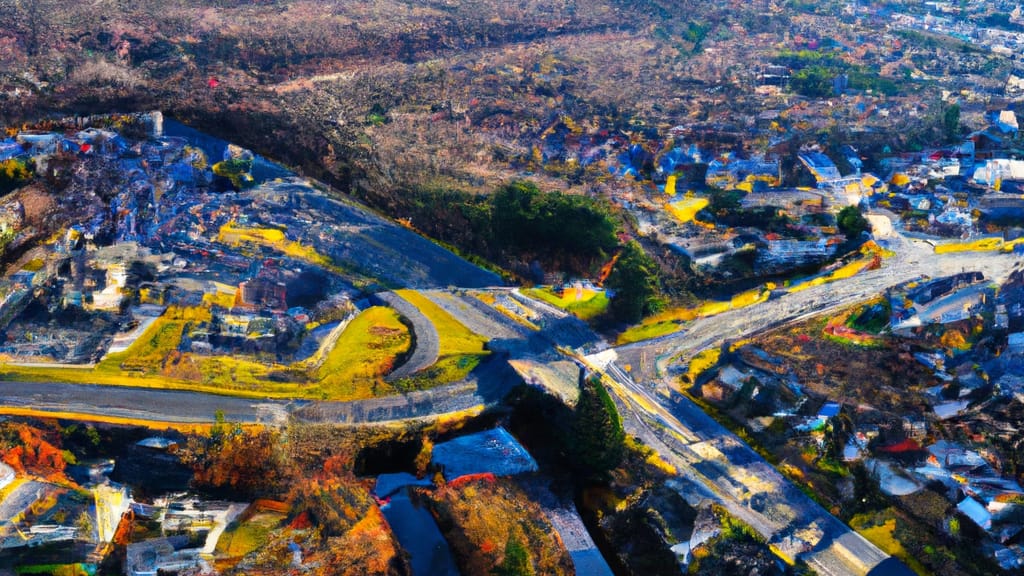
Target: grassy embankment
[[589, 305], [485, 521], [247, 536], [883, 536], [672, 320], [980, 245], [460, 350], [352, 369]]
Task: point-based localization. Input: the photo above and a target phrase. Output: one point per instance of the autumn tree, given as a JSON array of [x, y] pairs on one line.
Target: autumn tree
[[244, 462]]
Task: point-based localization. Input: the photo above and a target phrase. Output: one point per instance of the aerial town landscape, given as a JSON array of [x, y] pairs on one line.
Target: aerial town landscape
[[417, 287]]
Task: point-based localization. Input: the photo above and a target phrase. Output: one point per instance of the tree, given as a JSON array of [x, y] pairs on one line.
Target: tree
[[635, 281], [517, 559], [852, 222], [951, 122], [599, 440]]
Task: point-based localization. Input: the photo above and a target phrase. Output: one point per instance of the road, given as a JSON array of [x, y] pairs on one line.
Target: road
[[426, 345], [711, 460], [714, 461], [649, 359]]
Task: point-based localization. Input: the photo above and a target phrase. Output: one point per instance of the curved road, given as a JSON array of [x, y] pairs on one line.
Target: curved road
[[649, 359], [426, 345]]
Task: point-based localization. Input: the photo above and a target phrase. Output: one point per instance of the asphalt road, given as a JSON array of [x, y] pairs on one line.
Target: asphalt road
[[713, 459], [137, 403], [650, 359], [427, 346]]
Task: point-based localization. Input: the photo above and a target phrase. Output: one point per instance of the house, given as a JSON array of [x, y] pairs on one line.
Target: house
[[829, 410], [976, 512], [152, 557], [820, 166], [6, 475], [952, 456], [1015, 344]]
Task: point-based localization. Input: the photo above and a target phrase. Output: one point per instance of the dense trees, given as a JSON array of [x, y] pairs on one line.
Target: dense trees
[[635, 281], [563, 227], [246, 462]]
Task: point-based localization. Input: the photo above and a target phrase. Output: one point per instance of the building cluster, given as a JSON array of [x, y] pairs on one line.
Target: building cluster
[[145, 227]]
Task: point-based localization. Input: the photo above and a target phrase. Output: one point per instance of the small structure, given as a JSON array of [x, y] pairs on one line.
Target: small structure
[[6, 475], [494, 451], [976, 512]]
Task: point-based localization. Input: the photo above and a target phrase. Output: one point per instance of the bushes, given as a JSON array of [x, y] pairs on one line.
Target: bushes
[[15, 173]]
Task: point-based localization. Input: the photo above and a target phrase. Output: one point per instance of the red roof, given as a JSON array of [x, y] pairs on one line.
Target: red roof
[[907, 445]]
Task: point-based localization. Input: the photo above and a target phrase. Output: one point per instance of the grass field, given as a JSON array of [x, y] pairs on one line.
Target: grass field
[[883, 536], [591, 304], [366, 351], [460, 350], [353, 369]]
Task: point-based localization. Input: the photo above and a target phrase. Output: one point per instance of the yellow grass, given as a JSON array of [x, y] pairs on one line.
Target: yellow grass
[[979, 245], [661, 464], [842, 273], [701, 362], [366, 351], [590, 304], [454, 338], [271, 238], [882, 536], [353, 369], [686, 209], [219, 298], [648, 330], [672, 320], [248, 536]]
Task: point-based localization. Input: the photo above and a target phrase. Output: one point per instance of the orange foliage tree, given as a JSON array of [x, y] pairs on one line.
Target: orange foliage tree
[[30, 450]]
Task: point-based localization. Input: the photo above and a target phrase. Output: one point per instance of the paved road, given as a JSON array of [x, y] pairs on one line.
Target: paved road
[[426, 343], [711, 458], [649, 360], [137, 403], [713, 462]]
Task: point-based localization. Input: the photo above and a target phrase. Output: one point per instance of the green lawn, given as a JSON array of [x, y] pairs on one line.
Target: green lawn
[[590, 306]]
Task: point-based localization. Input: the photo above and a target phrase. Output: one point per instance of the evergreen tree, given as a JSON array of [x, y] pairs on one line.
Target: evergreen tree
[[599, 441], [852, 222]]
